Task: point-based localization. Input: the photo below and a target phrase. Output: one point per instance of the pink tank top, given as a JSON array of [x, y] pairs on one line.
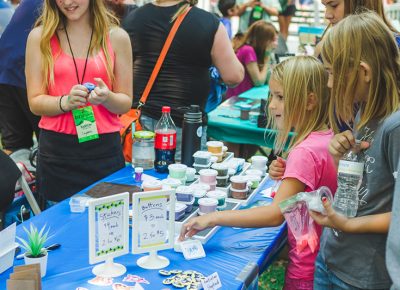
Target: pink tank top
[[65, 79]]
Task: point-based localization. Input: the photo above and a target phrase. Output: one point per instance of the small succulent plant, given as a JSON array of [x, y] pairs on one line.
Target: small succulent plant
[[35, 242]]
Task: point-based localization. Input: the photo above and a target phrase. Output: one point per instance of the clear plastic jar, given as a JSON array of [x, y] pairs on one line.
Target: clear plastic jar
[[143, 149]]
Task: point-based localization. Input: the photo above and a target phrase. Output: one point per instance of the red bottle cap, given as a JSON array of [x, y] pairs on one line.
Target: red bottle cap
[[166, 109]]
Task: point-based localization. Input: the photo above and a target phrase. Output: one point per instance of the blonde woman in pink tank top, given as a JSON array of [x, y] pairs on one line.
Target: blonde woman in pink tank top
[[79, 79]]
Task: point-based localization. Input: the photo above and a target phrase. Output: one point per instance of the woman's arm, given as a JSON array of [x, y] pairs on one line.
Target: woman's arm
[[119, 100], [265, 216], [376, 223], [270, 10], [258, 76], [224, 58]]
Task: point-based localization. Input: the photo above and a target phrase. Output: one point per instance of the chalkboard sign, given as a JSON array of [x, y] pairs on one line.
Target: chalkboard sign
[[108, 227]]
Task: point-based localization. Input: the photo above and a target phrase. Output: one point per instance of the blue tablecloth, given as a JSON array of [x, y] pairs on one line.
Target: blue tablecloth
[[228, 252]]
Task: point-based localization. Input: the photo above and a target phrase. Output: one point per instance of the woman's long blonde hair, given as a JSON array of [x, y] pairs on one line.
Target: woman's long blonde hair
[[52, 19], [301, 77], [362, 38]]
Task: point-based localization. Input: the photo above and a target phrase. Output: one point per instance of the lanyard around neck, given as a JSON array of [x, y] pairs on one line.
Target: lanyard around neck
[[73, 57]]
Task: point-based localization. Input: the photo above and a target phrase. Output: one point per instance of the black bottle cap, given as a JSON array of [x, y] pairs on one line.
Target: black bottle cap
[[193, 113]]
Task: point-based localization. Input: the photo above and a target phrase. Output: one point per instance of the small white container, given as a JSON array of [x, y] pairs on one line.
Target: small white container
[[150, 185], [184, 193], [180, 209], [77, 204], [202, 157], [218, 195], [190, 174], [207, 205], [199, 167], [177, 170], [215, 147], [172, 182], [254, 172], [238, 182], [254, 180]]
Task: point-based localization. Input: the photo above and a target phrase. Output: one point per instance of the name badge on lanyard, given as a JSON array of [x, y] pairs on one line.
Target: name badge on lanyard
[[85, 124]]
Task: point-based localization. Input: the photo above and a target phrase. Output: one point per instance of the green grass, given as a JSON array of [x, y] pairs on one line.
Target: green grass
[[273, 277]]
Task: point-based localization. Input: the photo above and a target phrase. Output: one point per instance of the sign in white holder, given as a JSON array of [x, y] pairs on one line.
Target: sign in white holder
[[152, 229], [108, 233]]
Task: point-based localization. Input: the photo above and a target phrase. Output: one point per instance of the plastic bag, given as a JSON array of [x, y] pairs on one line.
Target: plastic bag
[[300, 223], [313, 198]]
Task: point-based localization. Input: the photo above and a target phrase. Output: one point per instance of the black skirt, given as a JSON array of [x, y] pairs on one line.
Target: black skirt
[[66, 166]]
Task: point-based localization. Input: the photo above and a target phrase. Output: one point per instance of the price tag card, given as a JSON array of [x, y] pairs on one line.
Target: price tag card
[[212, 282], [108, 227], [152, 229], [192, 249]]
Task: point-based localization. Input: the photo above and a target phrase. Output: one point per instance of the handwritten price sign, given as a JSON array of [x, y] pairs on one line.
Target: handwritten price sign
[[192, 249], [108, 227], [153, 221], [152, 230]]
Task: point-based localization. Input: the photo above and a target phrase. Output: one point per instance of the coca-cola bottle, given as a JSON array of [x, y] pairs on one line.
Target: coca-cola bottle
[[165, 141]]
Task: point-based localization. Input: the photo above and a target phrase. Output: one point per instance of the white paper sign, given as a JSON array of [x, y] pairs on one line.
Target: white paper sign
[[212, 282], [192, 249], [153, 221], [108, 227], [152, 230]]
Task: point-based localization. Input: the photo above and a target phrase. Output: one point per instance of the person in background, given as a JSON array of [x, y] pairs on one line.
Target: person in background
[[246, 11], [17, 123], [285, 16], [228, 9], [352, 251], [74, 44], [254, 53], [299, 99], [184, 78], [120, 8], [336, 10]]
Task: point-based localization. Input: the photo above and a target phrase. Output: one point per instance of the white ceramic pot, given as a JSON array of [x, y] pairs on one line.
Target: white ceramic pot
[[41, 260]]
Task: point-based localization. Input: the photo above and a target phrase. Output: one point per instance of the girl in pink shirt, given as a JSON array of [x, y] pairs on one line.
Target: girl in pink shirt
[[299, 100], [75, 43]]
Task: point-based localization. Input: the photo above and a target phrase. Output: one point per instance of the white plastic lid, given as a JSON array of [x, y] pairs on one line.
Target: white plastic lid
[[202, 154], [253, 177], [174, 182], [138, 170], [259, 158], [240, 190], [254, 172], [231, 171], [219, 166], [190, 170], [238, 179], [180, 206], [215, 143], [152, 183], [188, 202], [222, 177], [184, 189], [177, 167], [199, 193], [207, 201], [200, 186], [205, 166], [208, 172], [224, 148], [217, 194]]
